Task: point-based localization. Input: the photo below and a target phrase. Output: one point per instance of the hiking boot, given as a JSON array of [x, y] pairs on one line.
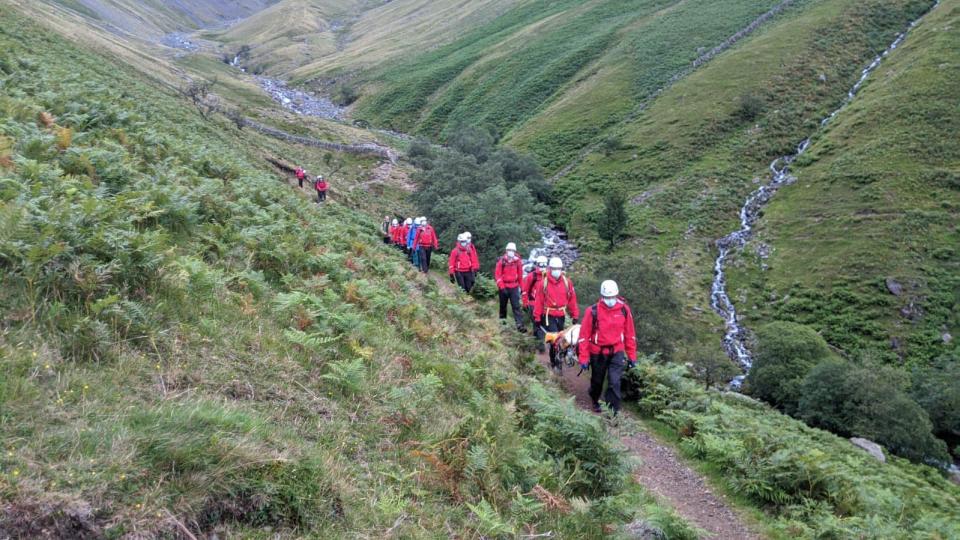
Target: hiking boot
[[541, 348], [596, 407], [522, 329]]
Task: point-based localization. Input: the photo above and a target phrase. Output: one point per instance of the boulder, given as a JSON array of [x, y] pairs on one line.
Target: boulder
[[870, 447], [894, 287], [644, 530]]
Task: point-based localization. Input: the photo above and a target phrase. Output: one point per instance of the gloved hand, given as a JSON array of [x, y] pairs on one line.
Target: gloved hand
[[576, 321], [452, 280], [631, 364]]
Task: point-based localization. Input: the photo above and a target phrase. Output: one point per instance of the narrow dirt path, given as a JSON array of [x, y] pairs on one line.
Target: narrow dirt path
[[663, 473]]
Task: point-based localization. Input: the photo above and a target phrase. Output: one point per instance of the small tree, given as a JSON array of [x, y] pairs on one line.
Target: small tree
[[199, 93], [785, 353], [613, 221], [711, 366]]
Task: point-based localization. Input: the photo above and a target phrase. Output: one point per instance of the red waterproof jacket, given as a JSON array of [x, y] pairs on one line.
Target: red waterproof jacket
[[508, 273], [460, 260], [392, 232], [426, 237], [301, 174], [322, 185], [612, 330], [556, 297], [529, 288], [401, 239]]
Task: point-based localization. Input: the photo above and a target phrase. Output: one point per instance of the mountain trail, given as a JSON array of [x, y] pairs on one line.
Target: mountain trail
[[663, 472]]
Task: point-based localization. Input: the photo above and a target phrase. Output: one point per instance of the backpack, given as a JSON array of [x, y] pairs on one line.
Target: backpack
[[596, 321], [566, 284]]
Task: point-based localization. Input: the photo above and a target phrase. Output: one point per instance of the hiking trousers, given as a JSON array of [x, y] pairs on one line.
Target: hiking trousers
[[537, 330], [300, 181], [415, 257], [554, 324], [466, 280], [425, 254], [608, 366], [321, 196], [512, 295]]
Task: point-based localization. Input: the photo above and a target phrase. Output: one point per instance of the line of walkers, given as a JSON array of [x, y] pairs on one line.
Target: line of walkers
[[320, 183], [414, 236], [606, 341]]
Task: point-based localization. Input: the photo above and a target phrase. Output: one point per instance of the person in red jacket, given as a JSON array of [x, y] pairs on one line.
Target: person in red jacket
[[391, 236], [528, 296], [301, 175], [608, 344], [322, 186], [402, 234], [556, 298], [508, 273], [460, 264], [426, 241], [395, 235]]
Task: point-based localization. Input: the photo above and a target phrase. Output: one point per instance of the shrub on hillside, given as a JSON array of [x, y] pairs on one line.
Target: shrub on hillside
[[868, 400], [785, 353], [496, 194], [936, 388]]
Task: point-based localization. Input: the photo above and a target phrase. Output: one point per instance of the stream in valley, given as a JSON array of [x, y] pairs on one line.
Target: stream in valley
[[735, 336]]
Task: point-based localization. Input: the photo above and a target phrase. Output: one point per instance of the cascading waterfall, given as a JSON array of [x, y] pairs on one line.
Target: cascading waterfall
[[734, 339]]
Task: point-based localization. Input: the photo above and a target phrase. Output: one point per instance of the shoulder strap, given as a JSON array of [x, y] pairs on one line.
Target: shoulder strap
[[595, 328]]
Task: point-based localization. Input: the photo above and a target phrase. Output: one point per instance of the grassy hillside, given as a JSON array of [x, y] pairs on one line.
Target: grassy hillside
[[153, 18], [190, 347], [596, 60], [810, 483], [306, 39], [877, 197], [688, 161]]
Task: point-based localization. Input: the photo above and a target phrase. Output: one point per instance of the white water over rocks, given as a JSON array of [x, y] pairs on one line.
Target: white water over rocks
[[734, 340], [299, 101], [553, 243]]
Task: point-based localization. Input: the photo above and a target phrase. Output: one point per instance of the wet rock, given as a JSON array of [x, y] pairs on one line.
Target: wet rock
[[644, 530], [763, 250], [823, 77], [912, 312], [946, 337], [299, 101], [870, 447], [894, 287]]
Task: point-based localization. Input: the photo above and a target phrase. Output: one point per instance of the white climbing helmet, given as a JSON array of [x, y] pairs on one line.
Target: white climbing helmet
[[416, 221], [556, 263], [408, 221], [394, 222], [468, 236], [609, 289], [542, 261], [461, 238], [511, 246]]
